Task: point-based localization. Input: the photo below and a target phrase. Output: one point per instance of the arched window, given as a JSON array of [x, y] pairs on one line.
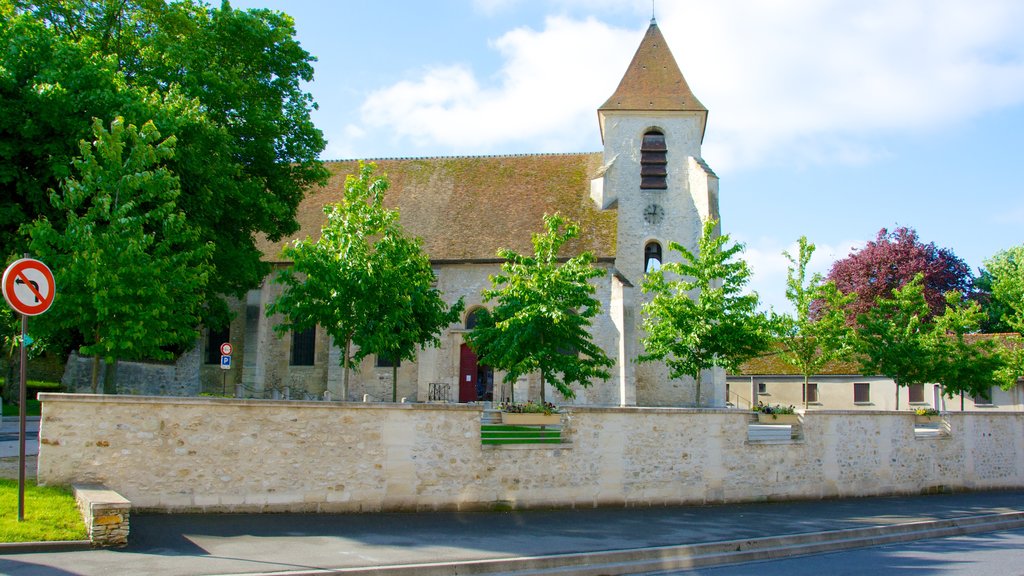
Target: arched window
[[472, 318], [653, 162], [652, 257]]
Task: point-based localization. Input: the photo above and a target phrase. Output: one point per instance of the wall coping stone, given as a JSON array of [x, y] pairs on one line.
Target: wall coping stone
[[209, 401]]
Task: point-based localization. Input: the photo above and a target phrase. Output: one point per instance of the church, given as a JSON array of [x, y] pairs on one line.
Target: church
[[647, 187]]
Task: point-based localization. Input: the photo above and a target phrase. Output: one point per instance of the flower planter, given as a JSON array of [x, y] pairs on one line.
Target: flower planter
[[530, 419], [930, 419], [790, 419]]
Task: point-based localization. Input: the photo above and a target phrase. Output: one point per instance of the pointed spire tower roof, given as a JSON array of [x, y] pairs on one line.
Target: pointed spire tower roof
[[653, 82]]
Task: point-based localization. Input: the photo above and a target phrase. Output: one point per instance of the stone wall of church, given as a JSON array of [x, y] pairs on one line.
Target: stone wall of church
[[200, 454], [264, 370]]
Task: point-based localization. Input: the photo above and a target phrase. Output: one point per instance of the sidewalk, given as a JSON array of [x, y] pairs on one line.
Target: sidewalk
[[191, 544]]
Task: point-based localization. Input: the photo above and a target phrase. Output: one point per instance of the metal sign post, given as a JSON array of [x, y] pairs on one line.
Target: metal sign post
[[225, 364], [28, 287]]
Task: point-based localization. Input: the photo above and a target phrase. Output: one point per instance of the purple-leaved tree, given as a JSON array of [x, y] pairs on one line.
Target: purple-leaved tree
[[890, 262]]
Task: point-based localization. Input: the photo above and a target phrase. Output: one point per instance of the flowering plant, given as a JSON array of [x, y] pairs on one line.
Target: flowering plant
[[777, 409], [528, 408], [926, 412]]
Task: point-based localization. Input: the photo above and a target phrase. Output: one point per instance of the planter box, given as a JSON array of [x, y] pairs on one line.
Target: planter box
[[790, 419], [531, 419], [932, 419]]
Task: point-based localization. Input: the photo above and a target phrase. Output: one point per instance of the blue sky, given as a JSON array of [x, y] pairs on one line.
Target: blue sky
[[830, 119]]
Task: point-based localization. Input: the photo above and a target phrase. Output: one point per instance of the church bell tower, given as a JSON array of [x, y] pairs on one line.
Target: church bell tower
[[653, 175]]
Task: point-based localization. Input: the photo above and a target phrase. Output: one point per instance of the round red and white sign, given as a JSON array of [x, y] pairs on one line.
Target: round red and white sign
[[225, 349], [28, 287]]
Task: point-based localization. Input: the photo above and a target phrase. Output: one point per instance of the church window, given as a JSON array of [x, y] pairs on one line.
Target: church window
[[214, 339], [303, 346], [653, 162], [652, 257], [472, 318]]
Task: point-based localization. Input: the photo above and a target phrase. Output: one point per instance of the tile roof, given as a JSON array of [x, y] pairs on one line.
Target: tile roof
[[466, 208], [773, 364], [653, 80]]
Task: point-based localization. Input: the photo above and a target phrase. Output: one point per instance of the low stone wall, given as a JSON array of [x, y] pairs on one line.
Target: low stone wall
[[207, 454], [106, 514]]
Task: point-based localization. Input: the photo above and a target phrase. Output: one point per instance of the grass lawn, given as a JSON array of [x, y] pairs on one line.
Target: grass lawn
[[50, 514], [34, 409], [11, 409]]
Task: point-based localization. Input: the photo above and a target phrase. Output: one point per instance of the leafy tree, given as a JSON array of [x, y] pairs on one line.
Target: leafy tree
[[226, 83], [892, 337], [363, 281], [411, 312], [890, 262], [1002, 282], [543, 312], [965, 366], [131, 270], [702, 319], [898, 339], [817, 334], [1003, 275]]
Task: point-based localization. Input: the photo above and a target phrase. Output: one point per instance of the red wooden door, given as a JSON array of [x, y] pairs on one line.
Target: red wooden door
[[467, 374]]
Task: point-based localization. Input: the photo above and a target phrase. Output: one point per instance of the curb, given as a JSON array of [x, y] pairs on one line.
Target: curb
[[37, 547], [689, 556]]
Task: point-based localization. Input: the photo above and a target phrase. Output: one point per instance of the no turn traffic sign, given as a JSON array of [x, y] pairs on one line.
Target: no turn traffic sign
[[225, 349], [28, 287]]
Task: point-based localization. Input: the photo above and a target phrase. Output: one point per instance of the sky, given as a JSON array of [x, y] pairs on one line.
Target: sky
[[828, 118]]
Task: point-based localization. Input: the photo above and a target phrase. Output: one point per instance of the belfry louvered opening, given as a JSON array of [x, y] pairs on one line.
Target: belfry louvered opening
[[653, 162]]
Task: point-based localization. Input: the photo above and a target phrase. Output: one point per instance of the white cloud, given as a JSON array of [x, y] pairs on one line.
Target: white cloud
[[552, 82], [820, 81], [790, 81], [769, 267]]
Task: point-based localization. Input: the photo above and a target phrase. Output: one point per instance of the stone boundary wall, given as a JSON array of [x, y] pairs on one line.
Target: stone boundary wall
[[226, 455], [106, 514]]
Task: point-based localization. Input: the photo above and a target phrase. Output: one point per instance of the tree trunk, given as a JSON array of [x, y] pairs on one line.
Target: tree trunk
[[344, 378], [697, 382], [95, 378], [394, 380], [806, 388], [897, 395], [542, 395], [110, 378]]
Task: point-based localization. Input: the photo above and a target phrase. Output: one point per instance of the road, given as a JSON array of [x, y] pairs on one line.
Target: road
[[9, 436], [992, 554]]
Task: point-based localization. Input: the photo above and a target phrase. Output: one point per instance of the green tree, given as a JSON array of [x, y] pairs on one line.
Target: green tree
[[543, 312], [411, 312], [226, 83], [700, 319], [893, 337], [363, 280], [1006, 270], [962, 365], [1004, 273], [816, 333], [131, 270]]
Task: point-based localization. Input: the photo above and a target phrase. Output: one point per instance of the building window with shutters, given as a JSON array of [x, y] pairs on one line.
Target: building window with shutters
[[862, 393], [810, 395], [303, 346], [653, 162], [915, 393], [214, 339], [983, 399]]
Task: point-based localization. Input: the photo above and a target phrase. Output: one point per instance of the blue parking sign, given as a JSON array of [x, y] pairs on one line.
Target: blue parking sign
[[225, 362]]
